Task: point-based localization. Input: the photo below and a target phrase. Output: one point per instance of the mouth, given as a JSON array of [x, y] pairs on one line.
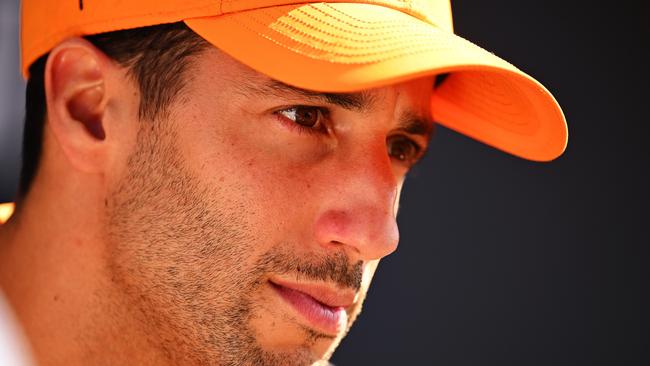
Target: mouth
[[322, 308]]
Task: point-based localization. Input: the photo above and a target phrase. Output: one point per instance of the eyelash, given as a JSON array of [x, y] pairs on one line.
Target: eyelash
[[325, 113], [296, 127]]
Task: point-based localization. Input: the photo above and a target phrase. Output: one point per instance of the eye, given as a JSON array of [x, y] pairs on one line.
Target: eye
[[403, 149], [306, 116]]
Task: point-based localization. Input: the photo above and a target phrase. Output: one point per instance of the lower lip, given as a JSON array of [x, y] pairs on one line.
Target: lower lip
[[326, 319]]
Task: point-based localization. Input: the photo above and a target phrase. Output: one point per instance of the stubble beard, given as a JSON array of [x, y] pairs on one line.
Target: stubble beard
[[178, 255]]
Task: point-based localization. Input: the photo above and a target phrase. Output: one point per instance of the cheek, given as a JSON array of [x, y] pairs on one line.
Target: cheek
[[177, 233], [254, 168]]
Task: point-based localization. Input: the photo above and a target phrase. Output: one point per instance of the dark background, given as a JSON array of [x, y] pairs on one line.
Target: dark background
[[504, 261]]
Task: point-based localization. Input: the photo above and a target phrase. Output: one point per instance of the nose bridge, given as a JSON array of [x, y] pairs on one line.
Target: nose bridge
[[360, 214], [372, 176]]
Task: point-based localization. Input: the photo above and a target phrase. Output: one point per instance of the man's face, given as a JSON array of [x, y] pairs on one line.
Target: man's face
[[245, 226]]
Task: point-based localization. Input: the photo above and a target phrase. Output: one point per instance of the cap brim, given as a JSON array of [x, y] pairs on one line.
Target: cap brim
[[346, 47]]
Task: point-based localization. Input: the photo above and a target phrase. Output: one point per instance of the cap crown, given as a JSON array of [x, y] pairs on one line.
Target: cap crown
[[45, 23]]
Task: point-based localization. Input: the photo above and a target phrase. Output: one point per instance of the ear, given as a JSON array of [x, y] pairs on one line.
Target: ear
[[75, 78]]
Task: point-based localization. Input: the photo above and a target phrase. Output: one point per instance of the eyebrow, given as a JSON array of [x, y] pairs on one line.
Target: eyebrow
[[362, 101], [414, 124], [359, 101]]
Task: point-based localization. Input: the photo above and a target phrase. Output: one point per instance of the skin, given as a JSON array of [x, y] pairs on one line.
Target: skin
[[153, 242]]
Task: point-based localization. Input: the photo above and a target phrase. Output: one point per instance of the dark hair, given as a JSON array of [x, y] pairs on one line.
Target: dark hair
[[156, 58]]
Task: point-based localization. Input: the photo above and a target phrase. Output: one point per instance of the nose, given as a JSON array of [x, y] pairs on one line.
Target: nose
[[359, 213]]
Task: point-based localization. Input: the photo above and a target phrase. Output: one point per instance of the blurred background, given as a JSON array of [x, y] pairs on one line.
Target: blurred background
[[503, 261]]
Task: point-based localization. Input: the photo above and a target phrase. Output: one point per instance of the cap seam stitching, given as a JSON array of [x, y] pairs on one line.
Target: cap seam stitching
[[336, 36], [296, 50]]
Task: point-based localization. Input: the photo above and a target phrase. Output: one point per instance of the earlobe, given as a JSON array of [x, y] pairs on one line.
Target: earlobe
[[76, 101]]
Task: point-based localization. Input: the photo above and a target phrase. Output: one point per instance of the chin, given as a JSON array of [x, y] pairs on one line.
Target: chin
[[279, 331]]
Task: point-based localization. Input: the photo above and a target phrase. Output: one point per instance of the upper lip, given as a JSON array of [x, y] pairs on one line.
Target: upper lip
[[322, 293]]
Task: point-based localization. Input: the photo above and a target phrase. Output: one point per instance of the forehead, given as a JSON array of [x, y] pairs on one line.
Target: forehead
[[249, 82], [409, 99]]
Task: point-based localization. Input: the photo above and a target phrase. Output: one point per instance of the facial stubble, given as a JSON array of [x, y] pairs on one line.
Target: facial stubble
[[180, 255]]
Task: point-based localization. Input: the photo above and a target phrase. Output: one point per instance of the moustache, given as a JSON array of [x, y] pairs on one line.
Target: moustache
[[334, 268]]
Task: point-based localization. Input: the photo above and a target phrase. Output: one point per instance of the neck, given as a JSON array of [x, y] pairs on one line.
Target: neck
[[53, 272]]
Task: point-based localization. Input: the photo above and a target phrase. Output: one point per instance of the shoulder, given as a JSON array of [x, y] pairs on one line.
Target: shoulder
[[13, 348]]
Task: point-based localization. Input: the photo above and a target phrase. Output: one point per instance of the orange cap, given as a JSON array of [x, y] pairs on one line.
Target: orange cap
[[339, 46]]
